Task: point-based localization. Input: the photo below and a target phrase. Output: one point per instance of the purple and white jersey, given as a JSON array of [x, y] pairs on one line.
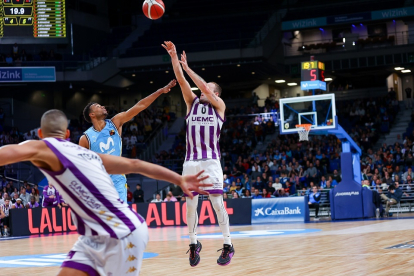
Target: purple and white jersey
[[31, 206], [6, 209], [88, 189], [47, 192], [203, 132]]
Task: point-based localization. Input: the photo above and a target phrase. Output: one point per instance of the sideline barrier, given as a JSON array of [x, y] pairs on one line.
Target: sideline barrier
[[25, 222], [287, 209]]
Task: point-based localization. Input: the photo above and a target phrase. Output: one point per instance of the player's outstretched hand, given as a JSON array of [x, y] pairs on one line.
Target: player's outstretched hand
[[170, 47], [192, 183], [168, 87], [183, 61]]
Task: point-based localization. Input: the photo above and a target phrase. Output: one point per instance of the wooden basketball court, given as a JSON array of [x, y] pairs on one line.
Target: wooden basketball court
[[324, 248]]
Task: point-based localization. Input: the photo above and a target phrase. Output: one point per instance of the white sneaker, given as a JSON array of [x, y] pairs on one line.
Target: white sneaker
[[377, 212]]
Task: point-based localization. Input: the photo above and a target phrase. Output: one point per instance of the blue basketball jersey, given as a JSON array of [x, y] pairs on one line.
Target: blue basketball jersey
[[107, 141]]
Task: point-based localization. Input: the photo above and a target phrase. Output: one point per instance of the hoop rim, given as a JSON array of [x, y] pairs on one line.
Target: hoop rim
[[307, 127]]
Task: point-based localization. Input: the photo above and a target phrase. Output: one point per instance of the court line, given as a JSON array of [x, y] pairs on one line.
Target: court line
[[296, 256]]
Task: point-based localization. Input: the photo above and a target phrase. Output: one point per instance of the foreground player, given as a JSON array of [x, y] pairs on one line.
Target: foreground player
[[204, 121], [105, 135], [112, 236]]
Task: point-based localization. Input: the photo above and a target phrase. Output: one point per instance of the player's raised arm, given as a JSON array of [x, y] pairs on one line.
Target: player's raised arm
[[123, 117], [179, 74], [213, 96], [121, 165]]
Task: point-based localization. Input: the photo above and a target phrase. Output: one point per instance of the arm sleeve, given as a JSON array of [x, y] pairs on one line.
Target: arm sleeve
[[318, 197]]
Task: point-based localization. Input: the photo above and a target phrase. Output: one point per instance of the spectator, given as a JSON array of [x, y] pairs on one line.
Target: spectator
[[332, 181], [138, 194], [270, 188], [265, 194], [247, 194], [233, 186], [235, 195], [32, 204], [311, 173], [280, 193], [35, 193], [239, 190], [314, 200], [129, 195], [157, 199], [277, 185], [393, 197], [336, 177], [4, 215], [18, 204], [176, 191], [24, 196], [50, 196], [15, 49], [323, 182], [14, 192], [9, 59], [14, 199], [257, 194], [170, 197], [409, 172]]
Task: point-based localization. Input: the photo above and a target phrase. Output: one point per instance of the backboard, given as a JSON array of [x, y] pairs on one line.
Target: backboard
[[318, 110]]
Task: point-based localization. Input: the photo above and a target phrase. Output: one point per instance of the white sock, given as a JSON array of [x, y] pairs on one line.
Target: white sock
[[222, 216], [192, 218]]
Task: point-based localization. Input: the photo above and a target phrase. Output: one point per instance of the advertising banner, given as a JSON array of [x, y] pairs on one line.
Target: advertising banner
[[25, 222], [272, 210], [27, 74]]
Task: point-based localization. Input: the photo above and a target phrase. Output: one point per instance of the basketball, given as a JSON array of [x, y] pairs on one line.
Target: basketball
[[153, 9]]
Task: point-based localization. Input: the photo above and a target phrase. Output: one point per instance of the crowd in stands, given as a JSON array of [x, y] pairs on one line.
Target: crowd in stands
[[16, 56]]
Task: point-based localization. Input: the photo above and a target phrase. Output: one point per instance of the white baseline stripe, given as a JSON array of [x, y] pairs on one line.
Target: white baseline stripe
[[23, 262]]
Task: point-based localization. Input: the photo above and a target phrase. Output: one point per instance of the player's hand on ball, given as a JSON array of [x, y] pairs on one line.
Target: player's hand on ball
[[183, 61], [192, 183], [168, 87], [170, 47]]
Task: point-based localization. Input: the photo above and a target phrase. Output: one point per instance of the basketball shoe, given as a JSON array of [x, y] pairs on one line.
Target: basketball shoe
[[227, 253], [194, 253]]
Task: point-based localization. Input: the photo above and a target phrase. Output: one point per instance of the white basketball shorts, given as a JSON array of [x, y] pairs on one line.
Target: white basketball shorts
[[212, 168], [99, 255]]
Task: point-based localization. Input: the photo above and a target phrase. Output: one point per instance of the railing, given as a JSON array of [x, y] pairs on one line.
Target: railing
[[351, 43], [60, 65]]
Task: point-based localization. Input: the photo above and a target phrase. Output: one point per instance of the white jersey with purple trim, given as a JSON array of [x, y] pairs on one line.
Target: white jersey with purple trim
[[90, 192], [203, 132]]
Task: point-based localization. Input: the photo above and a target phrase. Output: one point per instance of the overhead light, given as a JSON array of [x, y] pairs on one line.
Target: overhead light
[[151, 82], [353, 43], [328, 79], [406, 71], [238, 65], [167, 72], [133, 75], [253, 73], [399, 68], [343, 40], [280, 81], [203, 69], [292, 84], [194, 88], [218, 76]]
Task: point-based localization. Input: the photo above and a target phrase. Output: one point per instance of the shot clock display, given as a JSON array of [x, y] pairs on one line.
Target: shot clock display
[[313, 71], [313, 75], [38, 18]]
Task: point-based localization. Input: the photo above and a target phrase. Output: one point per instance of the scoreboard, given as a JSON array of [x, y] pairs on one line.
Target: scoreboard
[[38, 18], [313, 75]]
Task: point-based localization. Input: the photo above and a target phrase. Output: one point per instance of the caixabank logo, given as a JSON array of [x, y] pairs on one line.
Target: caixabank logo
[[277, 212]]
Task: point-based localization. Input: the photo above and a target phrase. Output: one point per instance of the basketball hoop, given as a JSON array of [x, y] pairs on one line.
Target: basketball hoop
[[303, 131]]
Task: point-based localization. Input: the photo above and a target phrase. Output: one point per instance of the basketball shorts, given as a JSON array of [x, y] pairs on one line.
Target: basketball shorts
[[99, 255], [120, 186], [212, 168]]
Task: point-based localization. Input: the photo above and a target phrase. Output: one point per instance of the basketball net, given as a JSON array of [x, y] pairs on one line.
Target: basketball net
[[303, 131]]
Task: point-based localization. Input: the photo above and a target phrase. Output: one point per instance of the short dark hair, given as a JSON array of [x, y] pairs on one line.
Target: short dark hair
[[86, 112], [217, 88]]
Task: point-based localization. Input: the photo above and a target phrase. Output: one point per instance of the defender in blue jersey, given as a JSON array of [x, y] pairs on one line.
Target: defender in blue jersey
[[104, 136]]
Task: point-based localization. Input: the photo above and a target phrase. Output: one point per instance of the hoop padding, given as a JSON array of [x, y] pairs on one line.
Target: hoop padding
[[303, 131]]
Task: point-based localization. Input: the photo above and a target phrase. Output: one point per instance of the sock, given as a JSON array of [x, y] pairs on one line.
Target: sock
[[222, 216], [192, 218]]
